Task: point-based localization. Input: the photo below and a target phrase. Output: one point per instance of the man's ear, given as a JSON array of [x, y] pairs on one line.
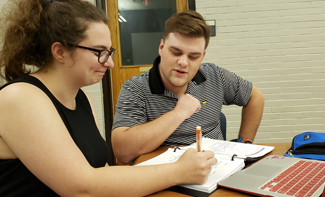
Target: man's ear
[[204, 54], [161, 46], [59, 52]]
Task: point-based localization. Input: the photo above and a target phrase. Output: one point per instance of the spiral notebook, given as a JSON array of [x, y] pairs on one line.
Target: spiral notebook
[[230, 155]]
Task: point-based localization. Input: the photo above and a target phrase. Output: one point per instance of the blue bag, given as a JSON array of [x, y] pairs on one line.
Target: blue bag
[[308, 145]]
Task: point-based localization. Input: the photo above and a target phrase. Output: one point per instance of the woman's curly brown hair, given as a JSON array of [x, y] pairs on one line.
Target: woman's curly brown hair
[[30, 27]]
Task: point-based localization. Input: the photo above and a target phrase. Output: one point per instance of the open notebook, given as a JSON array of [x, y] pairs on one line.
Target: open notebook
[[280, 176], [230, 156]]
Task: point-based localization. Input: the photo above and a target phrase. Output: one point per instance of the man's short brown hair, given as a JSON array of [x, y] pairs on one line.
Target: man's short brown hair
[[189, 23]]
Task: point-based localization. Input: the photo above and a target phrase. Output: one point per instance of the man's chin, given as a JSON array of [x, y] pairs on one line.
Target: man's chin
[[179, 83]]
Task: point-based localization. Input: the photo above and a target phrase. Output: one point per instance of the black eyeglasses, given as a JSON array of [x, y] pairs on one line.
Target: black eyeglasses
[[103, 55]]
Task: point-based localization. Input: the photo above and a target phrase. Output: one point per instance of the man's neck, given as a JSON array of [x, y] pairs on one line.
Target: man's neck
[[176, 90]]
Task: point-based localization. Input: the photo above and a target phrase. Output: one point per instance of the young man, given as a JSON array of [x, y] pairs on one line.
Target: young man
[[164, 105]]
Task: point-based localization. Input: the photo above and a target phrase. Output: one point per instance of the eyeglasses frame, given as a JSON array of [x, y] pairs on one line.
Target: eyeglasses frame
[[110, 52]]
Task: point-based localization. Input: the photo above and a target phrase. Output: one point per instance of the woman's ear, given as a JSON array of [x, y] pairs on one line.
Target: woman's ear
[[59, 52]]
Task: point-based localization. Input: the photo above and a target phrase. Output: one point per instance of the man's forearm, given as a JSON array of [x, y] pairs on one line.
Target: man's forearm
[[252, 115], [130, 142]]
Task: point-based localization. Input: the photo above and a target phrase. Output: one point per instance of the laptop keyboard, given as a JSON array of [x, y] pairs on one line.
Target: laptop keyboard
[[303, 178]]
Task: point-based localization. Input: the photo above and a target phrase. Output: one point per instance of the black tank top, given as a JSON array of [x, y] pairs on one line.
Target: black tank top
[[17, 180]]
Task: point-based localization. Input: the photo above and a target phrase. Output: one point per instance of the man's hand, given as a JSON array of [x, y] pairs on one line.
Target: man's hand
[[187, 105], [194, 166]]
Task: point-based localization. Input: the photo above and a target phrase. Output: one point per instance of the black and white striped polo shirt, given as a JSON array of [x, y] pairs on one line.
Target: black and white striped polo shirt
[[144, 98]]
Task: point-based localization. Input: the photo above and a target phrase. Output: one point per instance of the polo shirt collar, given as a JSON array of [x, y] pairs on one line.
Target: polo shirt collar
[[155, 83]]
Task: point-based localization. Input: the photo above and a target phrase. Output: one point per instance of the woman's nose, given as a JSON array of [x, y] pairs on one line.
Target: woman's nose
[[109, 63]]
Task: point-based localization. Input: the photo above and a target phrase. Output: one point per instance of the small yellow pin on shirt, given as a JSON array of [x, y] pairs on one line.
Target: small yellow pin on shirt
[[204, 102]]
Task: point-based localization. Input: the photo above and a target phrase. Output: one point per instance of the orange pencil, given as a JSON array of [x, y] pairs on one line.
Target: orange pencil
[[198, 138]]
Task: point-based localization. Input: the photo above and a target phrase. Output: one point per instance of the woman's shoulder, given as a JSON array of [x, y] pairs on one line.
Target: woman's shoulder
[[22, 95], [23, 84], [19, 90], [21, 101]]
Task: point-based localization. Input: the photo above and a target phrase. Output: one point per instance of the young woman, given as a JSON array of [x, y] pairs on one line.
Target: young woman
[[49, 140]]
